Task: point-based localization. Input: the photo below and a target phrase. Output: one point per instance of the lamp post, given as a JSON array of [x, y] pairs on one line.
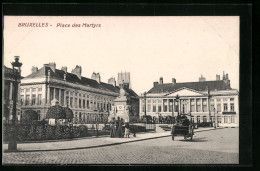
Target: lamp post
[[177, 100], [12, 145], [215, 126], [145, 104]]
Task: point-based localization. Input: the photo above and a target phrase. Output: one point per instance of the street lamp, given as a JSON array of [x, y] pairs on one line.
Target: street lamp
[[177, 100], [215, 126], [12, 145], [145, 104]]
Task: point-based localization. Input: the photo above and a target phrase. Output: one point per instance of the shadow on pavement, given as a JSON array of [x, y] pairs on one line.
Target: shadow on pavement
[[196, 140]]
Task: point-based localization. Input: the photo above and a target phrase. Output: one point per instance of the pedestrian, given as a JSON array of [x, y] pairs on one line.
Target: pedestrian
[[117, 127], [112, 128], [127, 130], [120, 128]]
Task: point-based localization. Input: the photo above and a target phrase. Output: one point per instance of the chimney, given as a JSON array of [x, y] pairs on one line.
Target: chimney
[[155, 83], [217, 77], [52, 65], [34, 69], [64, 77], [98, 78], [226, 76], [112, 81], [202, 79], [64, 68], [77, 71], [161, 80], [173, 80]]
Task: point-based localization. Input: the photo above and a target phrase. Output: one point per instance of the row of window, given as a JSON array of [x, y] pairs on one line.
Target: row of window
[[204, 100], [26, 101], [28, 90], [88, 96], [198, 119], [184, 107]]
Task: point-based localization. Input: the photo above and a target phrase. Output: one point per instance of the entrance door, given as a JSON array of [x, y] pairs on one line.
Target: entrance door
[[184, 106]]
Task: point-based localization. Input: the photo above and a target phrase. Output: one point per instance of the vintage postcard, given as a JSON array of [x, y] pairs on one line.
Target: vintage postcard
[[121, 90]]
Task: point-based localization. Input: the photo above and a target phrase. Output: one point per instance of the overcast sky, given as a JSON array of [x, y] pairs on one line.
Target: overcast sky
[[147, 47]]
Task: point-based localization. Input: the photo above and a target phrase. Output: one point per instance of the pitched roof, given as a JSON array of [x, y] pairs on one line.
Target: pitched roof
[[59, 74], [199, 86]]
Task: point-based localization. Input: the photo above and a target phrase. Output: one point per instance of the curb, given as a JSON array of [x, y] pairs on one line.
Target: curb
[[104, 145]]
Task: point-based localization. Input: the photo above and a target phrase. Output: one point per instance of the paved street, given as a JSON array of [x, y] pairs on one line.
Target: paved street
[[208, 147]]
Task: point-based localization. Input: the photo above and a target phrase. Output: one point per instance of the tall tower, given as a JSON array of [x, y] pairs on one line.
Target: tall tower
[[124, 77]]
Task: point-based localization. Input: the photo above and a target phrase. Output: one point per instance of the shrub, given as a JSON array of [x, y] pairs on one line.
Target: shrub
[[75, 132], [32, 132], [29, 116], [56, 112], [40, 132], [59, 132], [66, 132], [49, 132], [68, 113], [83, 130], [23, 131]]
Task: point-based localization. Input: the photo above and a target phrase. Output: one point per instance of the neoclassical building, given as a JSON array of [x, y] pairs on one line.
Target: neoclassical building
[[86, 97], [203, 100], [8, 89]]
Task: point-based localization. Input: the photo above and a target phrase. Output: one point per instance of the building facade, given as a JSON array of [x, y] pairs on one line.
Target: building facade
[[8, 89], [87, 97], [204, 100]]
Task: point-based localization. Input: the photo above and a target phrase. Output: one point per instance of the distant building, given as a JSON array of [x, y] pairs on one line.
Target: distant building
[[8, 95], [196, 98], [86, 97], [124, 77]]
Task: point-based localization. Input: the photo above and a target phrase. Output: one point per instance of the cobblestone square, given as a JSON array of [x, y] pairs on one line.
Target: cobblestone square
[[208, 147]]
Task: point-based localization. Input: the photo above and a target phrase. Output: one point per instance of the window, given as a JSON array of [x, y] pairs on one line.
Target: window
[[22, 99], [192, 105], [154, 107], [57, 92], [212, 100], [143, 107], [218, 100], [39, 114], [34, 90], [164, 105], [79, 103], [149, 101], [213, 119], [204, 118], [231, 99], [198, 119], [212, 106], [218, 107], [39, 99], [232, 107], [198, 105], [67, 92], [27, 98], [79, 94], [204, 105], [27, 90], [219, 119], [170, 105], [225, 99], [192, 119], [62, 98], [95, 105], [149, 108], [76, 102], [71, 101], [225, 119], [225, 107], [39, 89], [33, 99], [84, 104], [22, 90], [88, 104], [232, 119], [67, 100], [159, 108]]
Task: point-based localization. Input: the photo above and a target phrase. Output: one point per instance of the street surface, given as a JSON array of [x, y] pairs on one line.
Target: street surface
[[219, 146]]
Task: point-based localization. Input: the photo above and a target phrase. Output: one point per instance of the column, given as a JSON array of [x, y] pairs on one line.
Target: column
[[37, 97], [65, 101], [59, 96], [168, 106], [195, 105], [69, 99], [30, 99], [201, 104], [11, 91], [54, 93], [48, 94]]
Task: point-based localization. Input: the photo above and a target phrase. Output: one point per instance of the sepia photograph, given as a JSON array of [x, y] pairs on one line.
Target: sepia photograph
[[120, 90]]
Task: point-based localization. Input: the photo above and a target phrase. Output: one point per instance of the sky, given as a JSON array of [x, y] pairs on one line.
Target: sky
[[177, 47]]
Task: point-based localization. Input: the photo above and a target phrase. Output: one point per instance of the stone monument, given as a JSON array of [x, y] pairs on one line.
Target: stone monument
[[121, 106]]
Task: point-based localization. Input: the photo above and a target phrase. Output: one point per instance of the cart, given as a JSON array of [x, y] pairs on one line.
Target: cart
[[182, 130]]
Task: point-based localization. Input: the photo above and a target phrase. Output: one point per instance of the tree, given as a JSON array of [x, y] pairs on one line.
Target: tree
[[29, 116], [68, 113], [56, 112]]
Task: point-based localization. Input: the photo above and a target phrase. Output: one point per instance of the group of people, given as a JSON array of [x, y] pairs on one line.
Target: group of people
[[119, 129]]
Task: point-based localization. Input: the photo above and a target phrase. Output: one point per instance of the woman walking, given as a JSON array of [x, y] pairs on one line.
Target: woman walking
[[127, 130]]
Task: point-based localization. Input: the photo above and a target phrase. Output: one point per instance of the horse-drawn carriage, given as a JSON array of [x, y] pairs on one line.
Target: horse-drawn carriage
[[183, 127]]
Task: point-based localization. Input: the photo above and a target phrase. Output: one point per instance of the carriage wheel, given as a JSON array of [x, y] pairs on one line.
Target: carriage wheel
[[172, 137]]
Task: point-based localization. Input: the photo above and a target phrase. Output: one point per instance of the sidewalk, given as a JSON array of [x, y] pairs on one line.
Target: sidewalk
[[91, 142]]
